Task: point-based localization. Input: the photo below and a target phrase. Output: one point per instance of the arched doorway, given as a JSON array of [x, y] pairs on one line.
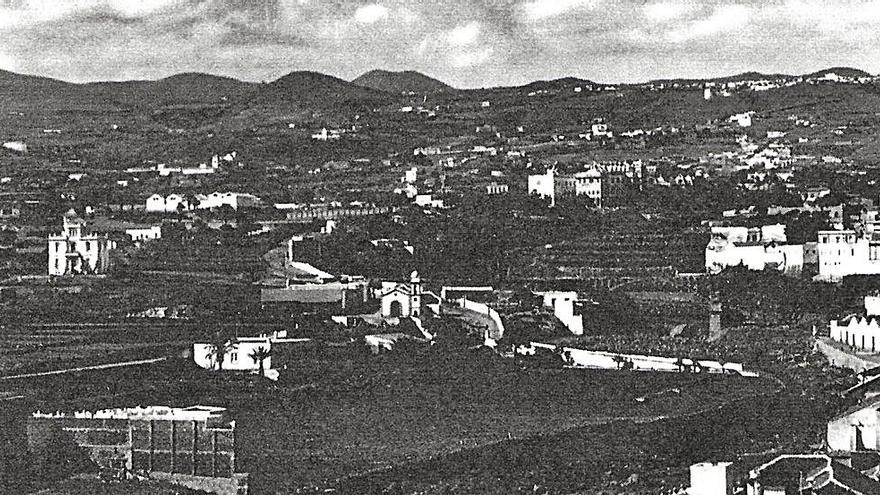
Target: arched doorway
[[396, 309]]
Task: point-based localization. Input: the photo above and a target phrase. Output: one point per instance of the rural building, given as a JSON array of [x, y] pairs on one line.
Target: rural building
[[401, 299], [860, 331], [75, 251], [756, 248], [172, 203], [567, 308], [711, 478], [857, 429], [846, 252], [808, 474], [246, 354], [231, 199], [553, 185], [193, 446], [495, 189]]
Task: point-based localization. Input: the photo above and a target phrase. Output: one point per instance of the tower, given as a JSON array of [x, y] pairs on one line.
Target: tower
[[415, 298], [707, 94]]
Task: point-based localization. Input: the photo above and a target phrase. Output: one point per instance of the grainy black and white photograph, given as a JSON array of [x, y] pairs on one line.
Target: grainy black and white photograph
[[440, 247]]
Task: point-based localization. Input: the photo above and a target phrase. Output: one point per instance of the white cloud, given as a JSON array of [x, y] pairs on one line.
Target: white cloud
[[723, 19], [471, 59], [826, 17], [138, 8], [541, 9], [464, 35], [369, 14], [7, 62], [664, 11]]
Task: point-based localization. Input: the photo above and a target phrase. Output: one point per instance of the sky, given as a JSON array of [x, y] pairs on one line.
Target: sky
[[462, 42]]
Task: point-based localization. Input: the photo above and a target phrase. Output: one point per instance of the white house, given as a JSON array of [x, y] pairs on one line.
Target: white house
[[402, 299], [860, 331], [173, 203], [552, 185], [566, 308], [428, 200], [742, 119], [141, 234], [243, 353], [410, 176], [494, 189], [845, 252], [74, 251], [711, 478], [857, 429], [231, 199], [756, 248]]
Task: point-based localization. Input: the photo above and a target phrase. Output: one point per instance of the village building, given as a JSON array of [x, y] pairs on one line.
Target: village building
[[198, 446], [860, 331], [756, 248], [233, 200], [262, 354], [555, 186], [788, 474], [173, 203], [77, 251], [401, 299], [846, 252], [566, 307], [856, 430], [495, 189]]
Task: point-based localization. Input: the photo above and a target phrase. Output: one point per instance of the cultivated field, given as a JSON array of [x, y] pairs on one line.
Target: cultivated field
[[343, 415]]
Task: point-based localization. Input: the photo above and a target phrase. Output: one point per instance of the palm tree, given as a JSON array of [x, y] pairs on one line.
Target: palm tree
[[259, 355], [219, 347]]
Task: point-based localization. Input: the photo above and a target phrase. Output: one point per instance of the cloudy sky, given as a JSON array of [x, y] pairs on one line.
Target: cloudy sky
[[467, 43]]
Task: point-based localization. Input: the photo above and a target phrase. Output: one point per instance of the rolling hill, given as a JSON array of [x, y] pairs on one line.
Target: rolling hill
[[401, 82]]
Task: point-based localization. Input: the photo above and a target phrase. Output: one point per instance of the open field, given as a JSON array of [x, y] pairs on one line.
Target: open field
[[344, 414]]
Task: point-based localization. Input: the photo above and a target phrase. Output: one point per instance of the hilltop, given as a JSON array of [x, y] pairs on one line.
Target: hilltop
[[401, 82]]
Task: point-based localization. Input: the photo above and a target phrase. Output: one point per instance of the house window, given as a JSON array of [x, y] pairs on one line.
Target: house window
[[233, 357], [88, 245]]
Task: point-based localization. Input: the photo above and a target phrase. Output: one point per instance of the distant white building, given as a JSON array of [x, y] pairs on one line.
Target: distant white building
[[552, 185], [757, 248], [599, 129], [860, 331], [495, 189], [402, 300], [74, 251], [410, 176], [142, 234], [845, 252], [742, 119], [566, 307], [172, 203], [231, 199], [325, 135], [243, 354], [16, 146]]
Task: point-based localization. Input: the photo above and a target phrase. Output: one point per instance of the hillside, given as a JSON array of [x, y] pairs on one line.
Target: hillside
[[401, 82]]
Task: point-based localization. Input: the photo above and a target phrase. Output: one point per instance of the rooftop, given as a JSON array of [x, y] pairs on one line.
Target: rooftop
[[165, 413]]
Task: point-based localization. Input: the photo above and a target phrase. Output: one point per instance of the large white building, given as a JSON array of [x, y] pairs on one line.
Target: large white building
[[553, 185], [74, 251], [172, 203], [566, 307], [231, 199], [756, 248], [243, 353], [860, 331], [845, 252]]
